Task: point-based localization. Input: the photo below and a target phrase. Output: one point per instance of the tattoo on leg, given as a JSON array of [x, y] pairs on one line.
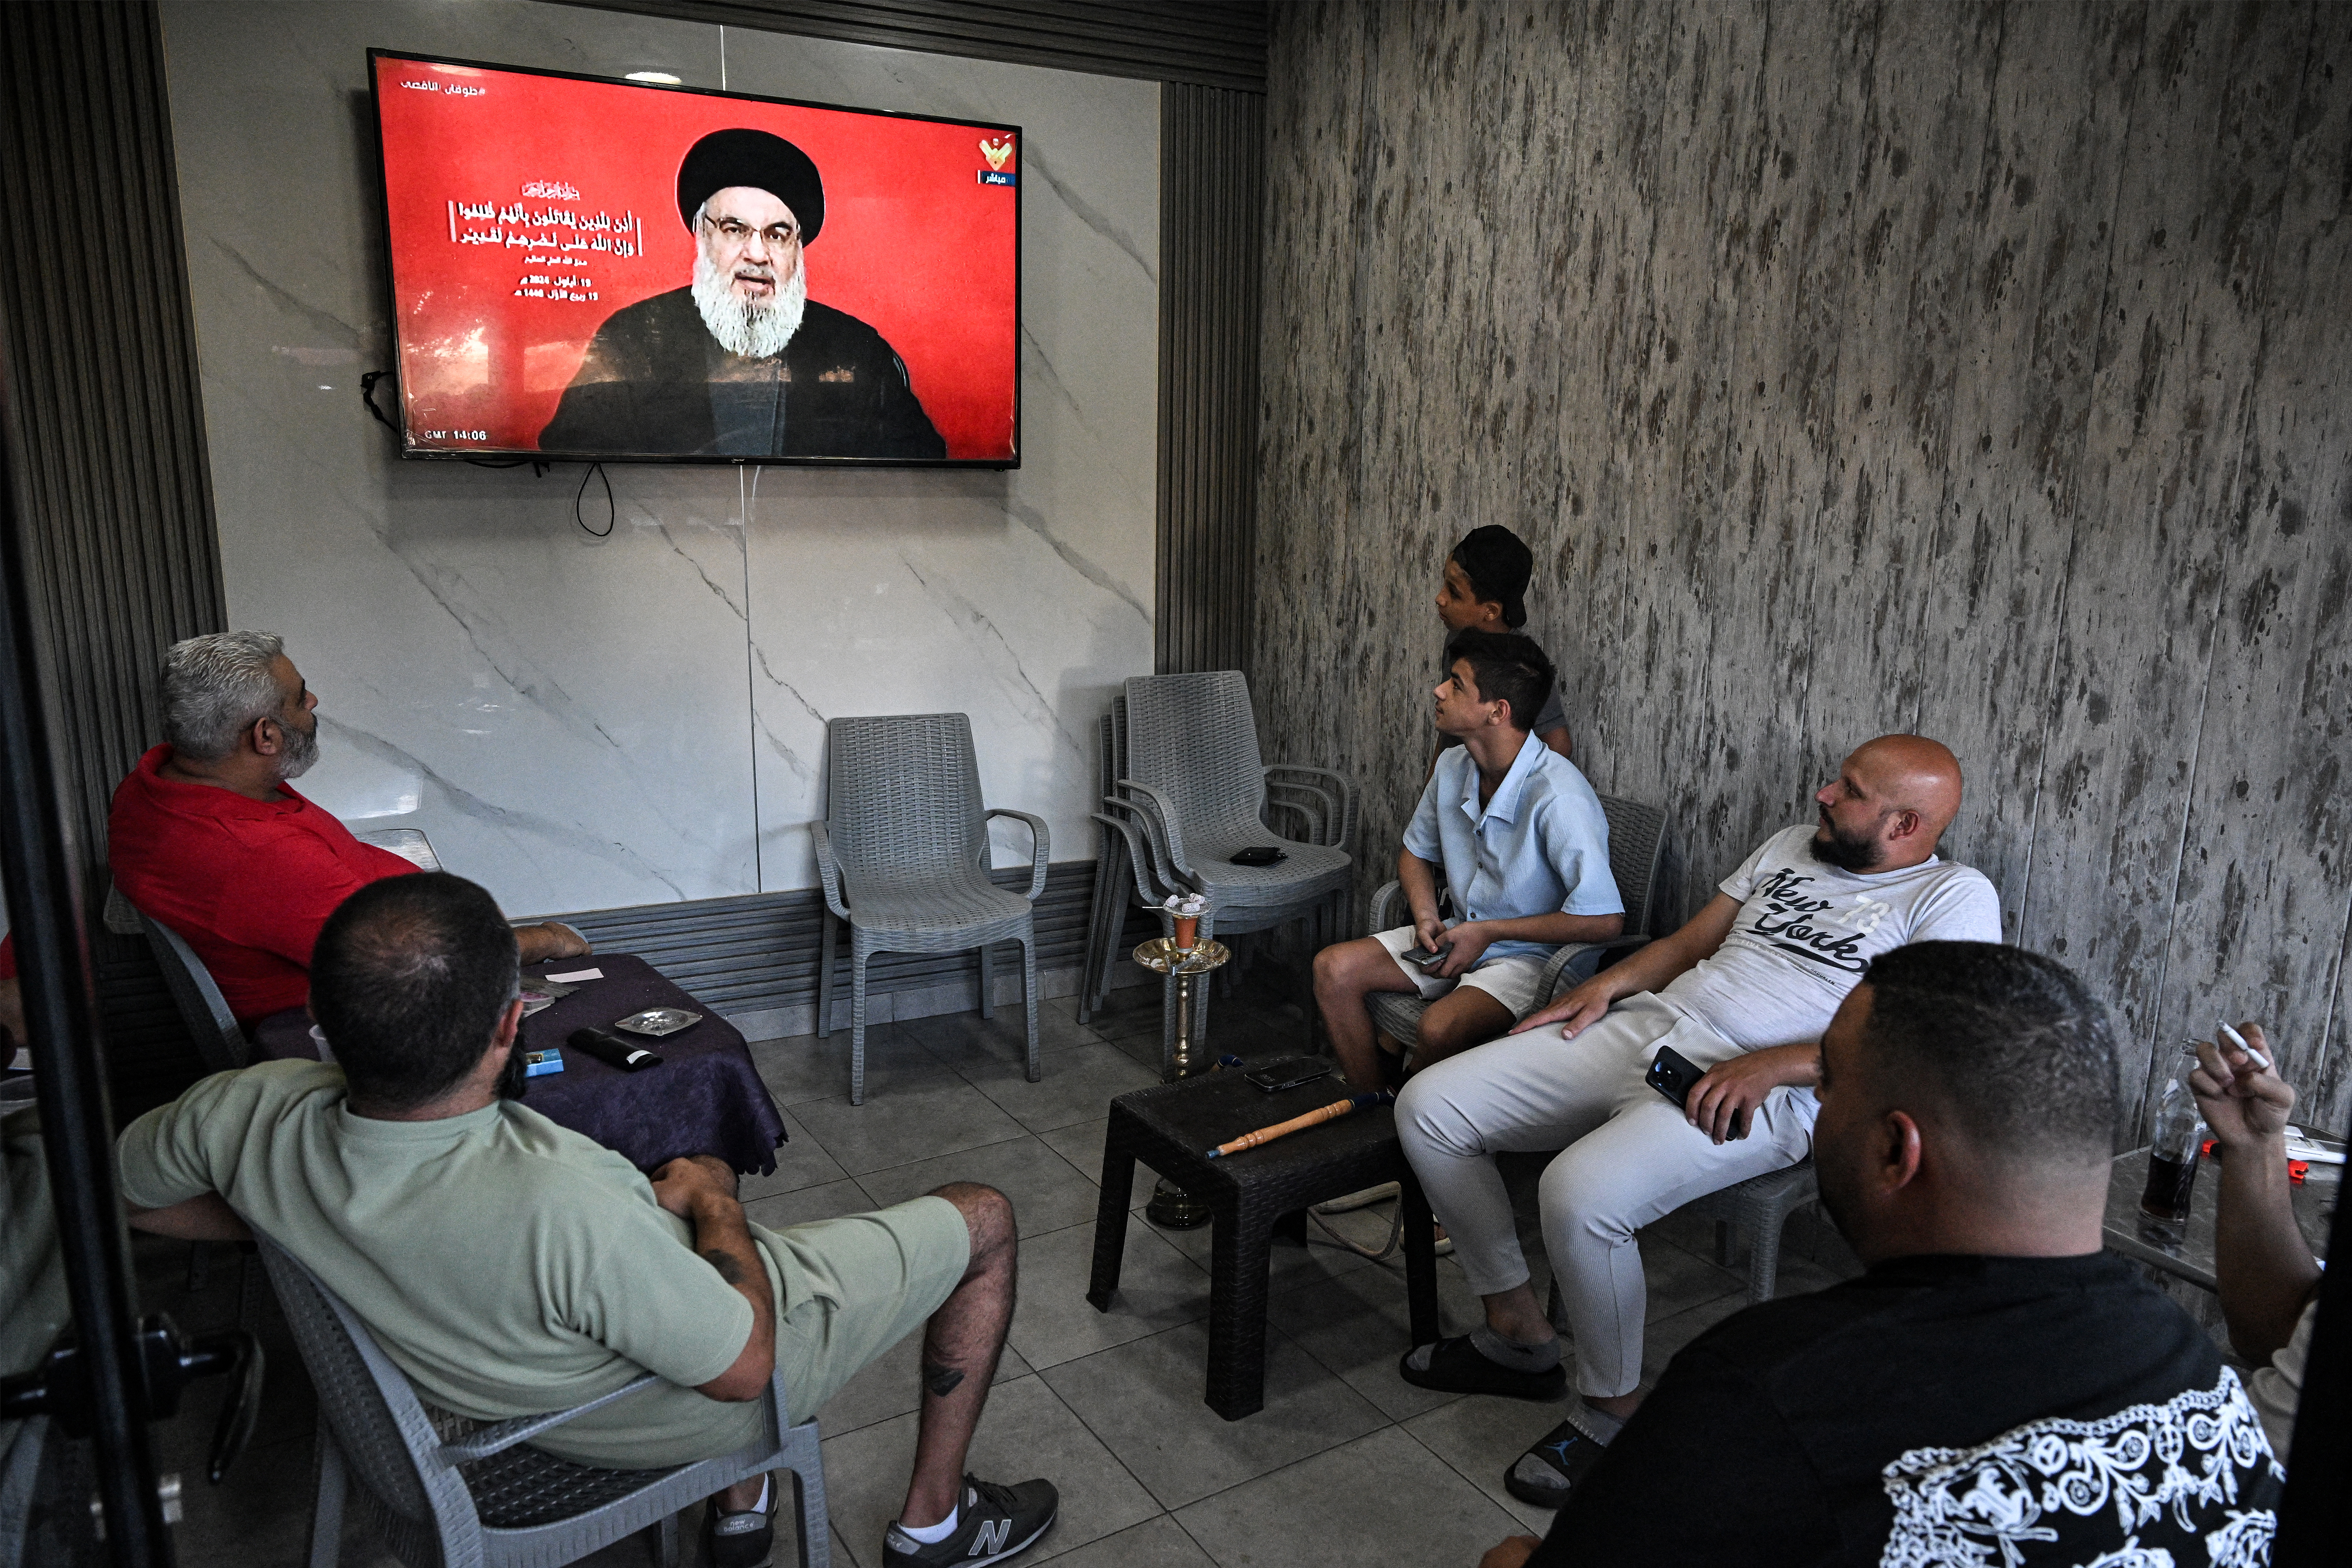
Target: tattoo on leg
[[941, 1381]]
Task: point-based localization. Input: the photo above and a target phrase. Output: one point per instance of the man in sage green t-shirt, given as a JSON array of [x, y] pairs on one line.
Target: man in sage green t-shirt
[[511, 1267]]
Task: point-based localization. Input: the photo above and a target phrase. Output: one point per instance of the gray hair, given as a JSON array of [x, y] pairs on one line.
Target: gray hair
[[216, 686]]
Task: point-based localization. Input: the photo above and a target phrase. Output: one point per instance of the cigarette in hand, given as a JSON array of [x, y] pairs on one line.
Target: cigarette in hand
[[2239, 1040]]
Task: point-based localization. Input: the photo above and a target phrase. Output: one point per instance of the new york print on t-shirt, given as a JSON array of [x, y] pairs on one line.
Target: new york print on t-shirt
[[1806, 930]]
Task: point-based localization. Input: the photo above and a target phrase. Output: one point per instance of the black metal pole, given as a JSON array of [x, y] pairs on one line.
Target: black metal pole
[[2315, 1519], [36, 855]]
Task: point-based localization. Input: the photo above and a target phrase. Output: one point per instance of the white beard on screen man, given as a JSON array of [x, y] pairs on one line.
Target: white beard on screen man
[[755, 328]]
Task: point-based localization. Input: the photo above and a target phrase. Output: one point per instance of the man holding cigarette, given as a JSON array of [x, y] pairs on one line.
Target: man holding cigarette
[[1523, 844], [2269, 1279]]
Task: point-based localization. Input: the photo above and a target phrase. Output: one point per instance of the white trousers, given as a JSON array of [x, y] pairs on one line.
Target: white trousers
[[1627, 1158]]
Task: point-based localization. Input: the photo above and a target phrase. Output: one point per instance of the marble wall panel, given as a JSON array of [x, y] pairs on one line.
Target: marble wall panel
[[1022, 598], [584, 722]]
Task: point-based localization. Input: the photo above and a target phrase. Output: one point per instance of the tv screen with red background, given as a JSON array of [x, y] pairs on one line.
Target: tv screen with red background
[[588, 269]]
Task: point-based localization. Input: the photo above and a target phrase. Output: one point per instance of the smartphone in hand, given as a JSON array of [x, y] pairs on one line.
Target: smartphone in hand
[[1674, 1075], [1424, 956]]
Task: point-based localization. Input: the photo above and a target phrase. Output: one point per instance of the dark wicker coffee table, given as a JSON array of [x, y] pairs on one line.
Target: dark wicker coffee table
[[1171, 1127]]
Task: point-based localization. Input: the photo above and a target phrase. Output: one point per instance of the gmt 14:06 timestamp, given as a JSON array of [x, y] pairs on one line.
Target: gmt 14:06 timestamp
[[453, 435]]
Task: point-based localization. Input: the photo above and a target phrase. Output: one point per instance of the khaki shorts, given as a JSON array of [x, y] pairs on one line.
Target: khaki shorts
[[848, 1289], [853, 1287], [1510, 980]]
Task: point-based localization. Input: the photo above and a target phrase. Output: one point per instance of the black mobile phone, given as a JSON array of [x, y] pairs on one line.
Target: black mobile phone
[[1422, 956], [1673, 1075], [1259, 855], [1288, 1074], [613, 1051]]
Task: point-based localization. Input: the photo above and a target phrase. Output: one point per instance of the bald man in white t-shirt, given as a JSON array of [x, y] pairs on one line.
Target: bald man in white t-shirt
[[1743, 992]]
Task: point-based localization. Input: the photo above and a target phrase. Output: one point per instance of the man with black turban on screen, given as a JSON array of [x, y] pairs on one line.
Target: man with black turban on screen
[[741, 362]]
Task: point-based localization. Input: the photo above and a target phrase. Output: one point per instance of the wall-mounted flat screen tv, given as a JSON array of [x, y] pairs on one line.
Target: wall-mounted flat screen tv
[[589, 268]]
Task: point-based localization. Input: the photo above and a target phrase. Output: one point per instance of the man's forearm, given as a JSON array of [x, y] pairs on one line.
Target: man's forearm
[[1554, 928], [204, 1217], [538, 943], [724, 1241], [2263, 1264], [1793, 1066], [1649, 967], [1419, 884]]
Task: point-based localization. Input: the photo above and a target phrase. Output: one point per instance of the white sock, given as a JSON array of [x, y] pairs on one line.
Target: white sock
[[933, 1535]]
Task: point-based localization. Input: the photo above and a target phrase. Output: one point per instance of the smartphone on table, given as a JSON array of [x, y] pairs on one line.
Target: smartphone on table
[[1278, 1076]]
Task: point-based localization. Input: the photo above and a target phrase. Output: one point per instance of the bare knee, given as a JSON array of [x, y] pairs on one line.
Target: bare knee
[[1356, 966], [1460, 1021], [988, 1214]]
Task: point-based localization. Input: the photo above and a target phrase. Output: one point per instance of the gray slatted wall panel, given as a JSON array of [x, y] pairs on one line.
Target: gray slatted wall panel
[[759, 952], [1218, 42], [102, 362], [1211, 188]]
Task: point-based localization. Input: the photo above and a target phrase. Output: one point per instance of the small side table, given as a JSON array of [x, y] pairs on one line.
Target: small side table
[[1170, 1128], [2186, 1250]]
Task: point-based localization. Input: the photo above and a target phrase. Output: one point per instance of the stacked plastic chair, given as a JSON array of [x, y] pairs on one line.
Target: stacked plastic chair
[[903, 852], [1186, 790]]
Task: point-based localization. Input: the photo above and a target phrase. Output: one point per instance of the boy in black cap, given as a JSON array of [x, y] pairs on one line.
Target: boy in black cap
[[1486, 581]]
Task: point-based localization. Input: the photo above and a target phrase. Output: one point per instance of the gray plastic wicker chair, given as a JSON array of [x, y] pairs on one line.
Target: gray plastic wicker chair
[[903, 852], [1115, 855], [1126, 825], [1636, 849], [219, 1039], [1194, 769], [1759, 1205], [440, 1498]]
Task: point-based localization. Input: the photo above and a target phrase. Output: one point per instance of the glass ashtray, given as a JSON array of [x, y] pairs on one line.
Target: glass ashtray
[[655, 1022]]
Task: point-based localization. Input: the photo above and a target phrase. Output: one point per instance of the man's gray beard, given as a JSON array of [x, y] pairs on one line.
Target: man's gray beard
[[755, 328], [301, 751]]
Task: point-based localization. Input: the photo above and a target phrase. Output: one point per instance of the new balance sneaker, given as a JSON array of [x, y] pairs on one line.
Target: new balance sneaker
[[993, 1522], [745, 1540]]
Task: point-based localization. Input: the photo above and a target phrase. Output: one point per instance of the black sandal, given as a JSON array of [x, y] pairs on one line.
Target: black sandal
[[1454, 1366], [1550, 1470]]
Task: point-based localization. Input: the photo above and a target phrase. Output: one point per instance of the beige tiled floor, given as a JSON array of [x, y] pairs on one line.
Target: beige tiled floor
[[1347, 1463]]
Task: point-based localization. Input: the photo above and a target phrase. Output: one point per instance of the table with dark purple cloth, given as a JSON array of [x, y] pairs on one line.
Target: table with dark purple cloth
[[705, 1098]]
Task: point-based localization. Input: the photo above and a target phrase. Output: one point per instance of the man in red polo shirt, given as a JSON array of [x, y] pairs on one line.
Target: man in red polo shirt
[[208, 838]]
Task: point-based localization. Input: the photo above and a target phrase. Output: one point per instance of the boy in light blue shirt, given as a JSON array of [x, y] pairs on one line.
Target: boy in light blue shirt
[[1525, 848]]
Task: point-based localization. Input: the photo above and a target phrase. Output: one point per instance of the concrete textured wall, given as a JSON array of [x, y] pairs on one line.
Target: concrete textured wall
[[1972, 369]]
